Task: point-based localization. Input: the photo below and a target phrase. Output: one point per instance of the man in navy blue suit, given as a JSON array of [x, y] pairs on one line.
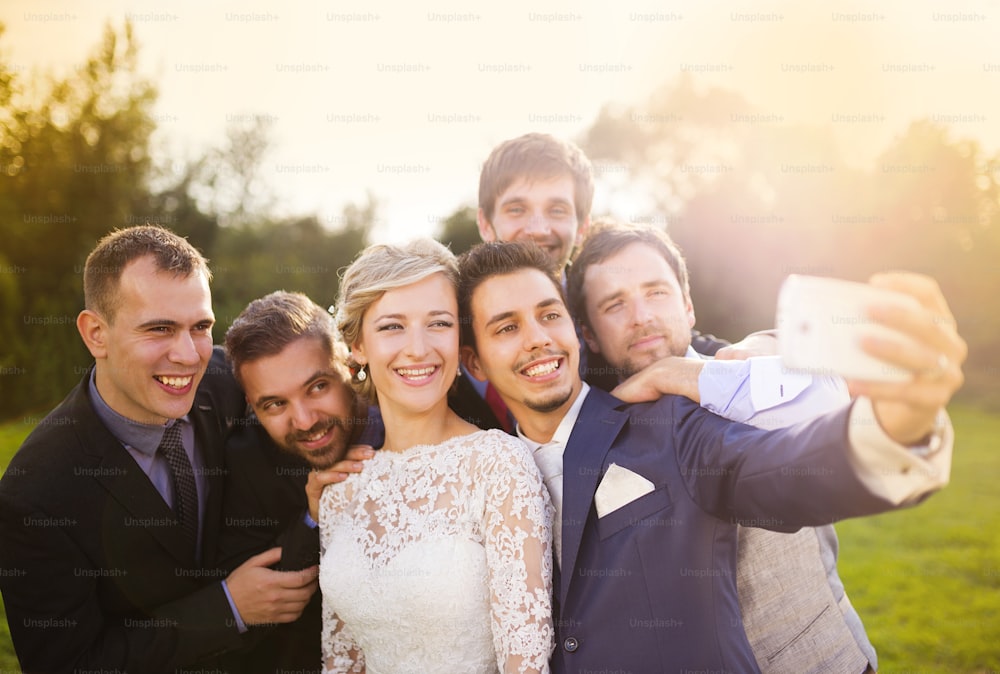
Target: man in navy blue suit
[[649, 496]]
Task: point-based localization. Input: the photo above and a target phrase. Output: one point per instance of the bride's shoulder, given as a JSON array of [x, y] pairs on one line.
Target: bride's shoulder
[[493, 447]]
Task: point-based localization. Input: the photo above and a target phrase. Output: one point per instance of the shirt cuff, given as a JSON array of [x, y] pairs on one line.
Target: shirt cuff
[[310, 522], [720, 385], [240, 625], [890, 470]]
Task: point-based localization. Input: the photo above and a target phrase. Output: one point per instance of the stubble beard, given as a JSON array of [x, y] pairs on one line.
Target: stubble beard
[[326, 456], [549, 404]]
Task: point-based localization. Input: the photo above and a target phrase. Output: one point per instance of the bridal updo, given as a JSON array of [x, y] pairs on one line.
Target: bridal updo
[[378, 269]]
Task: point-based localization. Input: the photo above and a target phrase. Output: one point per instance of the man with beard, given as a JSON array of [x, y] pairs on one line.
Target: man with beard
[[305, 415], [628, 288], [111, 508], [649, 495]]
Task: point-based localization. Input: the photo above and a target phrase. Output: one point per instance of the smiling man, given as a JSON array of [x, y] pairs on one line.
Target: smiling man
[[629, 289], [540, 188], [306, 414], [537, 188], [111, 508], [649, 496]]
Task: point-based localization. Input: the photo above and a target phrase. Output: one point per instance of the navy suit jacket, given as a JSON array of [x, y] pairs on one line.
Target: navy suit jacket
[[651, 587], [97, 572]]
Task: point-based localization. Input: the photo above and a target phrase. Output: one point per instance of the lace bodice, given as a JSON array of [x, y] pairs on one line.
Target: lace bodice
[[438, 559]]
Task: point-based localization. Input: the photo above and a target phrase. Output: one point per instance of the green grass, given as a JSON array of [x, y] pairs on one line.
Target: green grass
[[12, 434], [926, 581]]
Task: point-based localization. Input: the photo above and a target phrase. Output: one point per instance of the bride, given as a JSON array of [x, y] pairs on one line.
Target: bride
[[436, 557]]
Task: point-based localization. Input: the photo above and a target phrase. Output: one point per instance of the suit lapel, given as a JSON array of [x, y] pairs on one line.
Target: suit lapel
[[125, 481], [208, 436], [596, 429]]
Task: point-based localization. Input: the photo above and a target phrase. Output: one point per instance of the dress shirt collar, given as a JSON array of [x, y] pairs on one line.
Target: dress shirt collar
[[144, 438], [565, 428]]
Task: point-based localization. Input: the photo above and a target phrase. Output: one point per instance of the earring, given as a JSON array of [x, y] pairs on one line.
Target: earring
[[459, 374], [362, 374]]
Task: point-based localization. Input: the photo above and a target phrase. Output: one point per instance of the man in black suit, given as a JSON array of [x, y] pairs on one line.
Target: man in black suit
[[306, 414], [111, 509]]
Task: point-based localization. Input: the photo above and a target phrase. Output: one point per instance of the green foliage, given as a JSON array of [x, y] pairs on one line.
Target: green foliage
[[74, 159], [459, 230], [750, 203], [75, 165], [295, 255]]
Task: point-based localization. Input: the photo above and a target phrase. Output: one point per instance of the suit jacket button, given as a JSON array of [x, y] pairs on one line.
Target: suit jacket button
[[571, 644]]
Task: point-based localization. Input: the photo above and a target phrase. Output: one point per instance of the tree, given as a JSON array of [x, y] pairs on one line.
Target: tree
[[459, 231], [750, 203], [75, 157]]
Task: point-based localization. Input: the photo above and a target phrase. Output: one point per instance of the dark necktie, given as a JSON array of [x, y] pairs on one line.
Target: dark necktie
[[499, 407], [185, 491]]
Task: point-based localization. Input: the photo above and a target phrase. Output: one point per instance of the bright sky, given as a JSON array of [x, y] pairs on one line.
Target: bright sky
[[407, 99]]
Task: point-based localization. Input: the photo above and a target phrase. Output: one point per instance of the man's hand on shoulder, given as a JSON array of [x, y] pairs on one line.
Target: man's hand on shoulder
[[670, 375], [353, 462]]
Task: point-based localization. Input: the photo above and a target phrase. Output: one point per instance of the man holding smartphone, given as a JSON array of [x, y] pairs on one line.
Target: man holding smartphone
[[629, 289]]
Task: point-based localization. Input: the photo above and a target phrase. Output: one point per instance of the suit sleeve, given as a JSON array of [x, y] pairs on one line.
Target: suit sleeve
[[780, 480], [57, 621]]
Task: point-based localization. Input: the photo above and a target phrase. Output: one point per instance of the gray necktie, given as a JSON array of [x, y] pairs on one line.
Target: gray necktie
[[182, 475]]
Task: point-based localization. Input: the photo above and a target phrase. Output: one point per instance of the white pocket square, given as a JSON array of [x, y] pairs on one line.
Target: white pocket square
[[619, 487]]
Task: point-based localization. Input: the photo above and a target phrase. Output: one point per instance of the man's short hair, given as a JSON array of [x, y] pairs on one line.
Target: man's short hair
[[497, 258], [269, 324], [103, 269], [607, 239], [536, 156]]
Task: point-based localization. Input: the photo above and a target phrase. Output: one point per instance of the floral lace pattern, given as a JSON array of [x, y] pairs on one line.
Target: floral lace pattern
[[439, 559]]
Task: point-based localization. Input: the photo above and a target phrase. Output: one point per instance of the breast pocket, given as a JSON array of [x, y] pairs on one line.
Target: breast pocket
[[650, 510]]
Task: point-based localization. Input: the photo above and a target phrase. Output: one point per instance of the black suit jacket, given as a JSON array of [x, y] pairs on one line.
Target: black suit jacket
[[98, 576], [465, 401], [265, 506]]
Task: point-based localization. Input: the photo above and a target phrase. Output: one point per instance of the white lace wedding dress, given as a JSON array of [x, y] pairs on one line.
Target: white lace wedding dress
[[437, 559]]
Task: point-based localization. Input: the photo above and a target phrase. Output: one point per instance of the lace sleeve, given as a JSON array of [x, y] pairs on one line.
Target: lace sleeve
[[341, 654], [331, 504], [517, 529]]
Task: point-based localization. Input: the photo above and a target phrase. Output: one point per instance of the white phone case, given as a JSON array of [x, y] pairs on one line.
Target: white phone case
[[820, 323]]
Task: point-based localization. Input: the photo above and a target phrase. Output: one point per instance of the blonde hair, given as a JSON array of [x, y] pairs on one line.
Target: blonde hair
[[376, 270]]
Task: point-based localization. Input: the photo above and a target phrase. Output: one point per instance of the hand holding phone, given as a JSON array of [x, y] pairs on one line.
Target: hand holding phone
[[821, 322]]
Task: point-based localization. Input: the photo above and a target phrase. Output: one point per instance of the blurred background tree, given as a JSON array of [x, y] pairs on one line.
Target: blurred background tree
[[75, 164], [459, 230], [750, 198]]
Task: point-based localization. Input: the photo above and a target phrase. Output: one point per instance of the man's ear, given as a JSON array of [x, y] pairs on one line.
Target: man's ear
[[689, 308], [471, 362], [590, 339], [94, 331], [486, 231]]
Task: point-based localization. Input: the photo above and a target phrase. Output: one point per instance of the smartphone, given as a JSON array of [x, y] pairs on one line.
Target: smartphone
[[821, 322]]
